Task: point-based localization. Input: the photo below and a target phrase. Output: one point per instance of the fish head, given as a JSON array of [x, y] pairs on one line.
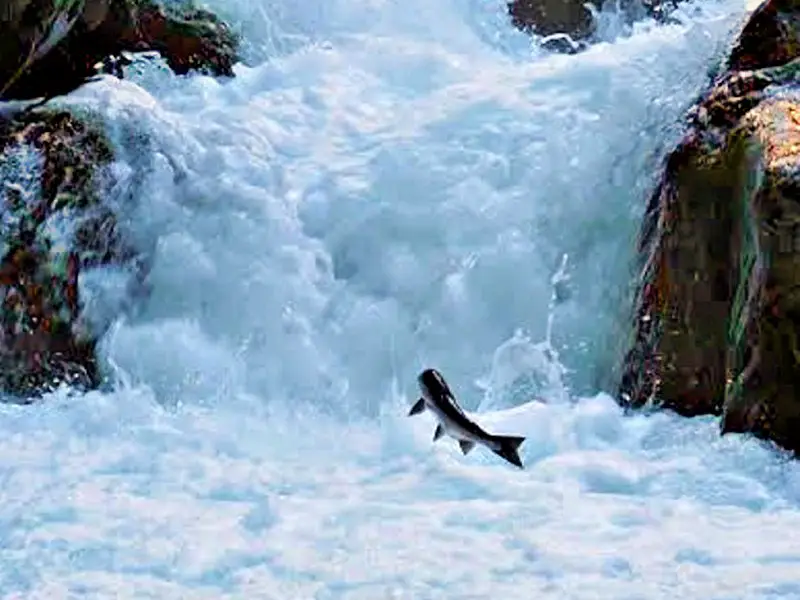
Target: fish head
[[432, 385]]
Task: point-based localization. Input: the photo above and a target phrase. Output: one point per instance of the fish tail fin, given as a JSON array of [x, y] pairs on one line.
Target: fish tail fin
[[508, 445]]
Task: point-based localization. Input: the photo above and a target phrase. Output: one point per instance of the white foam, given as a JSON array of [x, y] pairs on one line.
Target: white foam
[[400, 196], [109, 496]]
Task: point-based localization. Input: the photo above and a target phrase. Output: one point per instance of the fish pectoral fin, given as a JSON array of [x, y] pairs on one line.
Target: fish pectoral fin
[[466, 446], [439, 432], [418, 407]]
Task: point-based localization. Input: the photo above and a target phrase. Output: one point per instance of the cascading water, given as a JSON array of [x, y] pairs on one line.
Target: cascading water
[[395, 193], [387, 186]]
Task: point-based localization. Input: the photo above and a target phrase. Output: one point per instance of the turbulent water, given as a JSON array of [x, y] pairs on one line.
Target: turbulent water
[[387, 186]]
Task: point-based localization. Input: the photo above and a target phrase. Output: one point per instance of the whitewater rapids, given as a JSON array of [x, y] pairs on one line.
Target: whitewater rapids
[[387, 186]]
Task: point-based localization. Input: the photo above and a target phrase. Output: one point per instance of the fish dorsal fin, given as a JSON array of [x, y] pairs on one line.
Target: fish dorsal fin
[[418, 407], [439, 432], [466, 446]]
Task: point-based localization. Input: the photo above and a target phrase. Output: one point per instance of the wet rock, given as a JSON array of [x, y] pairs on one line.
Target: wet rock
[[547, 17], [770, 38], [51, 47], [56, 225], [718, 305], [59, 225], [763, 359], [573, 20]]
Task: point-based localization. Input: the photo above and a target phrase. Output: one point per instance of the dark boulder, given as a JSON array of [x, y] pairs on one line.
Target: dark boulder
[[717, 312], [547, 17], [575, 19], [51, 47]]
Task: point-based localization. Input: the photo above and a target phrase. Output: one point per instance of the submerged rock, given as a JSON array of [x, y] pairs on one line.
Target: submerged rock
[[718, 306]]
